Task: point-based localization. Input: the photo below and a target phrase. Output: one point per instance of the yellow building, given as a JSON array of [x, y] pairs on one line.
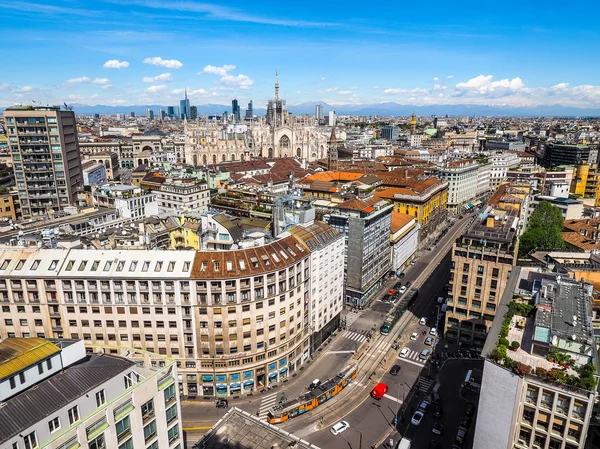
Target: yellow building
[[188, 234], [8, 205], [586, 182]]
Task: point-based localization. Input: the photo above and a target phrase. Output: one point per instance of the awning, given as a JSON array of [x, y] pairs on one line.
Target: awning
[[248, 382], [272, 375], [207, 378], [283, 370], [470, 205], [247, 374], [235, 386]]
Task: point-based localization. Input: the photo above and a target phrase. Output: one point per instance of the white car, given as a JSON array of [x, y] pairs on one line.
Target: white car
[[417, 418], [414, 336], [424, 354], [433, 332], [423, 321], [404, 353], [402, 289], [339, 427], [412, 262]]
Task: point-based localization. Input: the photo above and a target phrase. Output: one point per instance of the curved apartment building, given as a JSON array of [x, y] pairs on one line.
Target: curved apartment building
[[235, 321]]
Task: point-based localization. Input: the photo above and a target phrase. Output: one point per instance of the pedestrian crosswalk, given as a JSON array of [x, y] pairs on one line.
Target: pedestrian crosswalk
[[351, 317], [358, 335], [425, 384], [266, 403], [413, 355]]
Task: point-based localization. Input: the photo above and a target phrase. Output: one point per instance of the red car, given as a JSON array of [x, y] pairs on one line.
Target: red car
[[379, 390]]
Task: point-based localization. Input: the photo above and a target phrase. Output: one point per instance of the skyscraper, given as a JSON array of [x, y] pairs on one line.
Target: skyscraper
[[171, 111], [235, 110], [150, 114], [161, 114], [46, 157], [193, 112], [184, 107], [319, 113], [331, 118], [249, 111]]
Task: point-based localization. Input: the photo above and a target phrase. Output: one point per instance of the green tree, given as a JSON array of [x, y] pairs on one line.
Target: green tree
[[543, 229]]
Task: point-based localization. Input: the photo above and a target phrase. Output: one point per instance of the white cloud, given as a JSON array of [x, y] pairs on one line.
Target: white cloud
[[483, 85], [436, 79], [157, 88], [26, 88], [101, 81], [160, 62], [115, 64], [344, 92], [560, 86], [395, 91], [323, 78], [449, 77], [165, 77], [82, 79], [221, 71], [375, 87], [240, 81]]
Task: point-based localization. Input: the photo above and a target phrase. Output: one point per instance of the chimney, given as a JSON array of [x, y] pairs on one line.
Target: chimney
[[490, 221]]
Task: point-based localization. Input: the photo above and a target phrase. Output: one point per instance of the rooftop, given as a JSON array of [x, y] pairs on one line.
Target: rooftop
[[16, 354], [240, 430], [33, 405]]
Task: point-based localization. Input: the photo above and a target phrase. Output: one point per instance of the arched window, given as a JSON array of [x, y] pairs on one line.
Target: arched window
[[214, 158], [204, 159], [223, 158], [284, 142], [298, 152], [270, 153]]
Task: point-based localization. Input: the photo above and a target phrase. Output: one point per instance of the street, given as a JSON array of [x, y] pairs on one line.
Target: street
[[371, 421]]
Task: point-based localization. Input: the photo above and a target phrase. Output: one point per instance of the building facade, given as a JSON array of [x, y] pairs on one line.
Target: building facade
[[501, 163], [94, 174], [86, 400], [404, 240], [46, 158], [462, 178], [183, 196], [236, 321]]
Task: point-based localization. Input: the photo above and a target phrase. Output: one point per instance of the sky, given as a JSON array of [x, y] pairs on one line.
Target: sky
[[138, 52]]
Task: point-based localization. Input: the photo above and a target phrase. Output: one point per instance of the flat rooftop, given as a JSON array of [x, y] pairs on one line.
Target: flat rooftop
[[241, 430]]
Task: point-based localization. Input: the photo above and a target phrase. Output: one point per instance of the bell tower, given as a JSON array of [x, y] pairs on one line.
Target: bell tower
[[332, 152]]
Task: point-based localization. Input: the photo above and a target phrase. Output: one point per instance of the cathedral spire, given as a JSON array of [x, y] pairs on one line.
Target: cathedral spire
[[276, 85]]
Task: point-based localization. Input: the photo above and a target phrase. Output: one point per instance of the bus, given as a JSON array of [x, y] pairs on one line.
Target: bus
[[312, 399], [386, 327]]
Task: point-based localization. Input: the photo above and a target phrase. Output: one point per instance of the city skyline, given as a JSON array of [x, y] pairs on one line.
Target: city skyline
[[145, 52]]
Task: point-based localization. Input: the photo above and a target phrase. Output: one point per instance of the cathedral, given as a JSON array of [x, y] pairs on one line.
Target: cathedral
[[278, 135]]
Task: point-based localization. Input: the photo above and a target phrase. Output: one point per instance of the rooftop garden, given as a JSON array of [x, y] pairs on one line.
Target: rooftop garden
[[584, 374]]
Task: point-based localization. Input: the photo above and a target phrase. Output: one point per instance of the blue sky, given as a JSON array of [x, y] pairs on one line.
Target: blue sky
[[146, 51]]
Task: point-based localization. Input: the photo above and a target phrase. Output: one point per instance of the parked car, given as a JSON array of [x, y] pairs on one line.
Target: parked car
[[423, 406], [398, 285], [460, 435], [402, 289], [429, 341], [423, 321], [412, 262], [433, 332], [437, 428], [414, 336], [417, 418], [222, 403], [405, 351], [395, 370], [338, 428], [424, 354], [437, 410]]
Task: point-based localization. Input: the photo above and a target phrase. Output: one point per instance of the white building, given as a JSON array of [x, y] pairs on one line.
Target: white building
[[424, 155], [569, 208], [183, 196], [56, 396], [129, 201], [404, 238], [415, 140], [483, 178], [501, 163], [326, 297], [331, 118], [462, 176]]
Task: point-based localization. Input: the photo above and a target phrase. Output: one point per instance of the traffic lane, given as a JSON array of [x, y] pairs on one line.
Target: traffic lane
[[451, 378], [349, 439]]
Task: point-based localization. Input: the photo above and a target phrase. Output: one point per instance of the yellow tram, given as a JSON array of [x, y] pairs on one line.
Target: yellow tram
[[312, 399]]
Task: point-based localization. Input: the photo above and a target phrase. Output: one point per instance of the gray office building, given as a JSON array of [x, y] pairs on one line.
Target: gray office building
[[46, 158]]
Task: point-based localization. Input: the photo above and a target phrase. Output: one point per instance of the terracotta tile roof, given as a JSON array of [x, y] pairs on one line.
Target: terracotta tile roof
[[248, 262], [342, 176], [460, 162], [580, 241], [498, 194], [399, 221]]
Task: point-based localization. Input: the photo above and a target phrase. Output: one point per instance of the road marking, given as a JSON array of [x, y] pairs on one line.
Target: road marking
[[340, 352], [191, 429], [265, 404], [354, 336], [412, 362], [392, 398]]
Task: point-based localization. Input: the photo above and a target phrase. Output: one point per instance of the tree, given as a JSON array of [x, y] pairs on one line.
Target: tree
[[543, 229]]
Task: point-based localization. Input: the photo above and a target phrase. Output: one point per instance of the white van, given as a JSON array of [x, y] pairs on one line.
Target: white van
[[404, 444]]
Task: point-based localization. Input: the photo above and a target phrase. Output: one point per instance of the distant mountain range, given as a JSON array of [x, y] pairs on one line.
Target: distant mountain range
[[368, 109]]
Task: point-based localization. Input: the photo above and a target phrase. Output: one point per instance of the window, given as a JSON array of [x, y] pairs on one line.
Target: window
[[30, 441], [73, 415], [22, 377], [173, 433], [148, 409], [100, 398], [153, 445], [171, 413], [150, 431], [169, 393], [123, 428], [127, 444], [54, 424], [97, 443], [40, 368]]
